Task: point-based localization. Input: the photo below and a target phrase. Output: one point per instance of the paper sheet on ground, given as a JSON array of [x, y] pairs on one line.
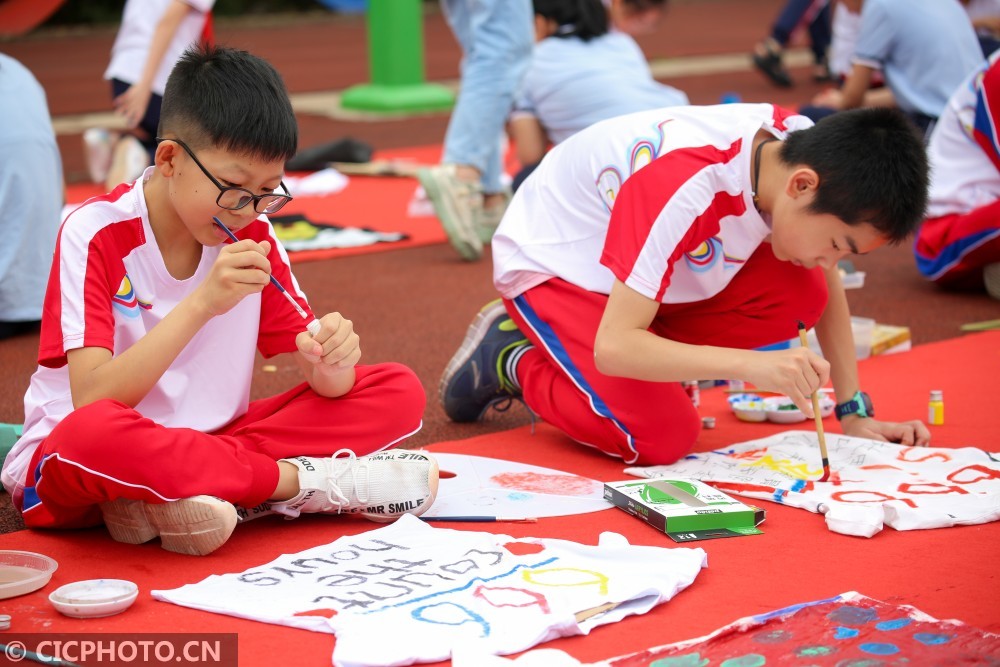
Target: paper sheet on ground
[[494, 487], [410, 592], [872, 483]]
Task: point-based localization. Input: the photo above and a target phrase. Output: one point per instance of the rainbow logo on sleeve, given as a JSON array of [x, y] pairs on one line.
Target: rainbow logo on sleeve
[[125, 300]]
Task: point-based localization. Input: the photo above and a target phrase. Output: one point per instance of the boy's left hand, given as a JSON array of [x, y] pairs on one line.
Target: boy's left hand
[[911, 433], [336, 347]]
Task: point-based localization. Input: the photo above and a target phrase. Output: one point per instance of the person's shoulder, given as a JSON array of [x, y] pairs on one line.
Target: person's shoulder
[[104, 215]]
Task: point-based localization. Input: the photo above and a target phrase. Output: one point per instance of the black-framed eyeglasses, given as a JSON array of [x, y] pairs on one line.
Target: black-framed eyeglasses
[[233, 198]]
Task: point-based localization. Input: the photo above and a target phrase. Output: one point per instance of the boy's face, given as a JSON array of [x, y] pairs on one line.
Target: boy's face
[[195, 195], [810, 239]]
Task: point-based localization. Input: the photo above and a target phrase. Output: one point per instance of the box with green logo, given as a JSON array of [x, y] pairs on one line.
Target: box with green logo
[[685, 509]]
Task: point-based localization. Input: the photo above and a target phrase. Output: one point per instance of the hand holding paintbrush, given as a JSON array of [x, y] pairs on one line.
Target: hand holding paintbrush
[[314, 326]]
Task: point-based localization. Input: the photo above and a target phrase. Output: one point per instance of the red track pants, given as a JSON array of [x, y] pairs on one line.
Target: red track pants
[[107, 450], [649, 423]]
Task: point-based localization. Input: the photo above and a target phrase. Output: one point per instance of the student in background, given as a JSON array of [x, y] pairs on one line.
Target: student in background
[[958, 246], [152, 36], [31, 197], [466, 189], [924, 49], [767, 54], [667, 246], [579, 74], [139, 414]]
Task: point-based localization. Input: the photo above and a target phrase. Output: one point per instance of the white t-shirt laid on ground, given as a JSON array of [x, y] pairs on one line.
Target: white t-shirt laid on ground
[[139, 21], [571, 84], [410, 593], [659, 199]]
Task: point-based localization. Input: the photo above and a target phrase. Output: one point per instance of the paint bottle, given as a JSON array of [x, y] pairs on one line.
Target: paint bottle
[[935, 408], [693, 391]]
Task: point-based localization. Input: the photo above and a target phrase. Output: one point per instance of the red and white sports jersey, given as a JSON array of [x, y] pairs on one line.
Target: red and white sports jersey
[[109, 286], [660, 200]]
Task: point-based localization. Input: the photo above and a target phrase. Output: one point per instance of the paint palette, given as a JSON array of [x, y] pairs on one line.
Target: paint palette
[[23, 572]]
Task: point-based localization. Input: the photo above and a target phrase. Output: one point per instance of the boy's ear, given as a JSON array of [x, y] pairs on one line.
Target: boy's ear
[[802, 181], [163, 159]]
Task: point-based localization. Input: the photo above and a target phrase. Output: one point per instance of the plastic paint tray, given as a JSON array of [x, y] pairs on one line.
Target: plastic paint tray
[[23, 572]]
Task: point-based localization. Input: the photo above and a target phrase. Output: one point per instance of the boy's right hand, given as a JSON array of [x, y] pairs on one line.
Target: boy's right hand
[[240, 269], [797, 373]]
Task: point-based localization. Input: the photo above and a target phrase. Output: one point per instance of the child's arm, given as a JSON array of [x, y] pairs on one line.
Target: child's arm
[[625, 347], [529, 139], [94, 373], [133, 102], [835, 337], [328, 360]]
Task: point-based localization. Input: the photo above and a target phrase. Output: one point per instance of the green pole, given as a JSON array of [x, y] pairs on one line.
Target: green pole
[[396, 60]]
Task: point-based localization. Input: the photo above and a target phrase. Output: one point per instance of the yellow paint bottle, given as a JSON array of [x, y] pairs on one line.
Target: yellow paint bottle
[[935, 408]]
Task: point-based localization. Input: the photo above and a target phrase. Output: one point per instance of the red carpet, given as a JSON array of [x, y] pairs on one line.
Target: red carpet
[[948, 573], [372, 202]]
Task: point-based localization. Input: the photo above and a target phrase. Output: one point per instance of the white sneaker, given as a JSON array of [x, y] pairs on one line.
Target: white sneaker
[[129, 159], [97, 143], [458, 205], [196, 526], [380, 487], [488, 219]]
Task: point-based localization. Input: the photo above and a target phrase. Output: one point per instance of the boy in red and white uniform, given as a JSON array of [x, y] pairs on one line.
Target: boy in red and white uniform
[[139, 412], [666, 246]]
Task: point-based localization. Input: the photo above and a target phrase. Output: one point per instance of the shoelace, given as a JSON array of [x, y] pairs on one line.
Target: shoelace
[[339, 468]]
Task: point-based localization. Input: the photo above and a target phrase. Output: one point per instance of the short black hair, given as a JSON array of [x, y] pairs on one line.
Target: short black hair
[[229, 99], [585, 19], [872, 168]]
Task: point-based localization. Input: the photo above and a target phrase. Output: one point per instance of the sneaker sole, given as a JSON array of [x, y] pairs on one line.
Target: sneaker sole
[[194, 526], [381, 518], [465, 241], [473, 337]]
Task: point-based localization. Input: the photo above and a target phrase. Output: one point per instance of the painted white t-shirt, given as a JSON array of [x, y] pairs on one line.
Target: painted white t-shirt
[[109, 287], [139, 21], [571, 83], [659, 199], [410, 593], [872, 483], [963, 178]]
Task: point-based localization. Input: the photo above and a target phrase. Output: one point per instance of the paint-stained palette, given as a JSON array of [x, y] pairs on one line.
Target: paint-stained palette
[[481, 486]]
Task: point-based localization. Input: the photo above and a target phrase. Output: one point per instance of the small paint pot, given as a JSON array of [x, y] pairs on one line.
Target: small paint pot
[[4, 621], [708, 422]]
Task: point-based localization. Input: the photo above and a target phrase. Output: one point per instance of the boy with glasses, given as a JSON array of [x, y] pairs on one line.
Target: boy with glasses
[[139, 412]]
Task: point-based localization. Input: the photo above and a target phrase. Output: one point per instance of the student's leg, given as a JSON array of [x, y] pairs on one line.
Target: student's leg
[[644, 423], [792, 14], [953, 250], [107, 450]]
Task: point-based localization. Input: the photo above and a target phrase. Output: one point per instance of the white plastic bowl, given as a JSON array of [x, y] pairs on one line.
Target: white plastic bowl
[[750, 411], [23, 572], [94, 598], [778, 411]]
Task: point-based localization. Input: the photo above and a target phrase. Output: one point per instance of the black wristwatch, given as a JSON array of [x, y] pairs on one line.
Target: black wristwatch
[[860, 404]]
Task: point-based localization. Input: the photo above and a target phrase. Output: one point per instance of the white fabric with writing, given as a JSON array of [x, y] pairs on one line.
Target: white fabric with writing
[[428, 590], [871, 483]]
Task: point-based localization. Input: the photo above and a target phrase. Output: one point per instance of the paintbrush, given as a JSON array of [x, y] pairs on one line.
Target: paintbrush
[[482, 519], [819, 419], [312, 327]]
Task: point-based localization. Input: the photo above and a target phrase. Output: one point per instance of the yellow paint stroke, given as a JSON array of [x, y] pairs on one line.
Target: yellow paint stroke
[[596, 578], [785, 467]]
